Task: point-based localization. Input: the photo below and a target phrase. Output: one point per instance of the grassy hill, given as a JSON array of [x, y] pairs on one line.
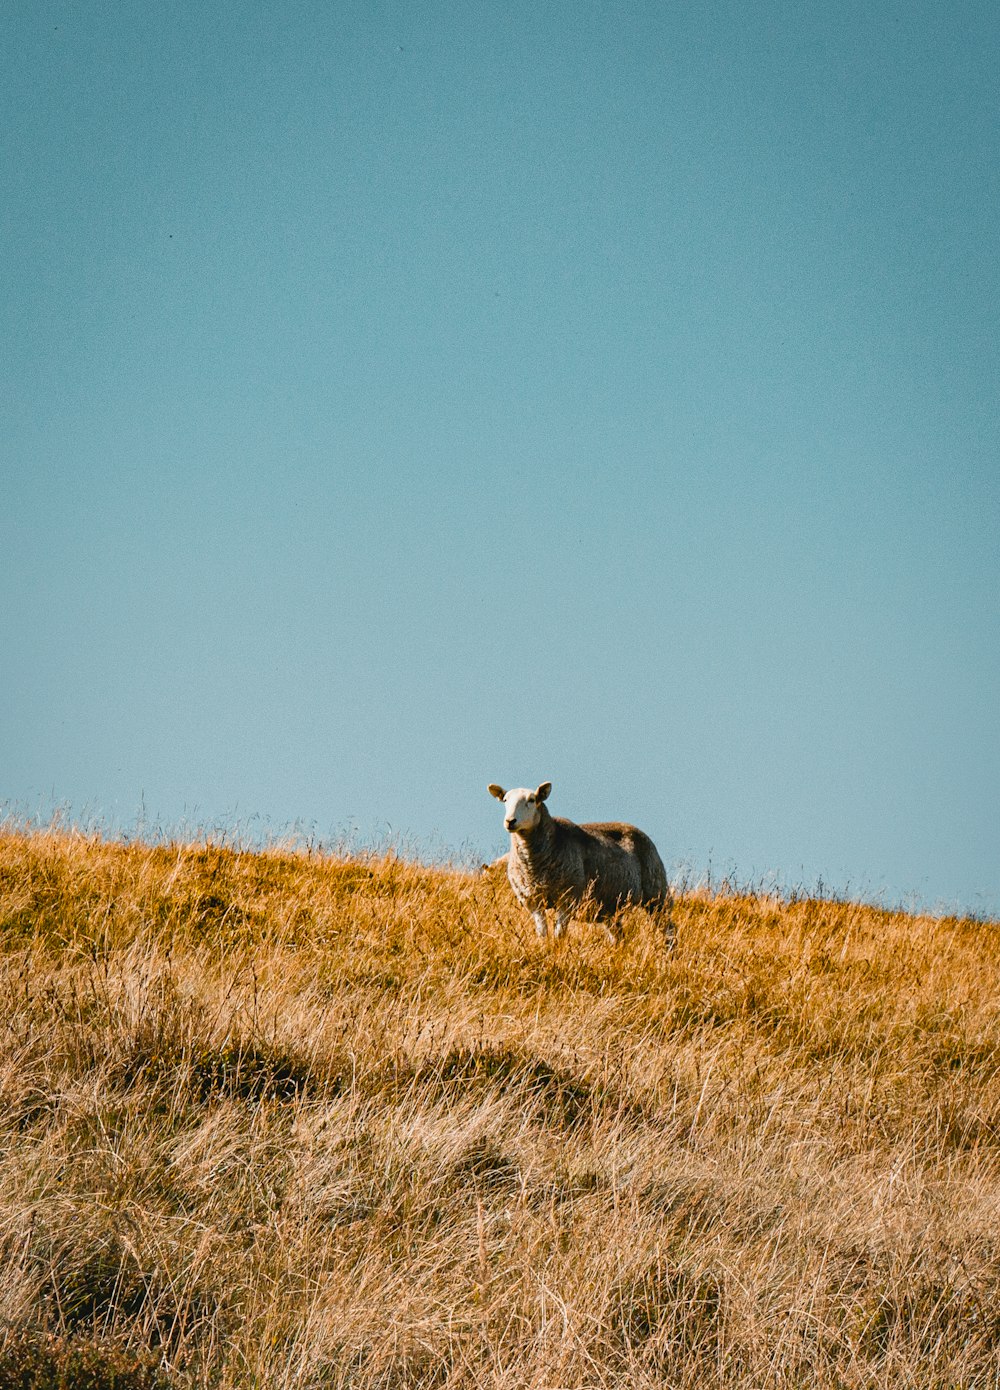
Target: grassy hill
[[273, 1119]]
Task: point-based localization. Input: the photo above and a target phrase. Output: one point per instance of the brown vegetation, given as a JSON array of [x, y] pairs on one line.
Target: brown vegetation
[[273, 1119]]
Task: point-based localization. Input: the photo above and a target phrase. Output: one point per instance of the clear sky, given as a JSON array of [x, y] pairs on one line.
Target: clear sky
[[402, 397]]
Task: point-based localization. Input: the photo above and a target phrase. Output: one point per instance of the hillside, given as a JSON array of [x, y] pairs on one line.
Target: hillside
[[272, 1119]]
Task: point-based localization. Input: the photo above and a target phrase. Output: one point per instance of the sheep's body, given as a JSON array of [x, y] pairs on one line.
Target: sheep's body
[[556, 865]]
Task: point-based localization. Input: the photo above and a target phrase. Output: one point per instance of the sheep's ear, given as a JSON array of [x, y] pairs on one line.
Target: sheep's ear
[[496, 791], [543, 791]]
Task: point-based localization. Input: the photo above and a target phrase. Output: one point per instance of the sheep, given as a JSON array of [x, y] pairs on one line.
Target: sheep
[[555, 864]]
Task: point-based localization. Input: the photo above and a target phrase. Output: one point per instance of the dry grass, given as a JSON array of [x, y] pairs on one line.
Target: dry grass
[[280, 1120]]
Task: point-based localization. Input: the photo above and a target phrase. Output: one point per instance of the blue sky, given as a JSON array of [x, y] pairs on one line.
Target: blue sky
[[399, 398]]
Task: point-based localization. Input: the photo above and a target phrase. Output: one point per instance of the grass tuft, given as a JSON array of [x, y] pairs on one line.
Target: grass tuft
[[51, 1362]]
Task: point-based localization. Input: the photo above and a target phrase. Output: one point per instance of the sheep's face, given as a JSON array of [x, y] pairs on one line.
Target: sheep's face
[[520, 811], [521, 806]]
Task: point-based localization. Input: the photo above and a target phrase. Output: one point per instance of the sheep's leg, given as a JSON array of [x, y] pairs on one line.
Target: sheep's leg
[[562, 921], [541, 924]]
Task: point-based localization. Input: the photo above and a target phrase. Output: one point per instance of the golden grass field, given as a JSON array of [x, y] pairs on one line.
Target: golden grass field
[[284, 1120]]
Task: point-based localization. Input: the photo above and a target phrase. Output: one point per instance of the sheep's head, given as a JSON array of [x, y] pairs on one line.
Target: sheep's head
[[521, 807]]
